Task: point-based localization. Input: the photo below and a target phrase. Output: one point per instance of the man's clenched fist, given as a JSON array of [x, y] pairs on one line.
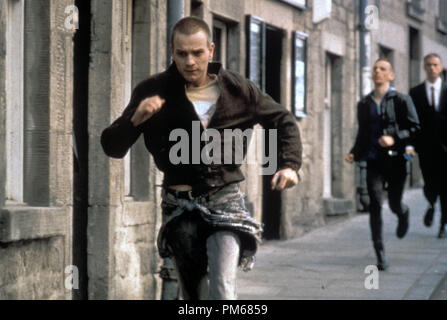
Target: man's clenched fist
[[386, 141], [285, 178], [147, 108]]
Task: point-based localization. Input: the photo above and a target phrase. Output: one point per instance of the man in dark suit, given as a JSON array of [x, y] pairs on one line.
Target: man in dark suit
[[388, 124], [430, 99]]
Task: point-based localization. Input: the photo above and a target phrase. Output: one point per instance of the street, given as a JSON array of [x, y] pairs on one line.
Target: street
[[330, 262]]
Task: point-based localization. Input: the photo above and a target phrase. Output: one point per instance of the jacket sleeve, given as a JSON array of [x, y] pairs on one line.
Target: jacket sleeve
[[272, 115], [117, 139], [355, 148], [414, 98], [409, 127]]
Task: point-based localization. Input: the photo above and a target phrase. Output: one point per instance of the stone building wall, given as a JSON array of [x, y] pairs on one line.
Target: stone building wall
[[122, 257], [35, 222]]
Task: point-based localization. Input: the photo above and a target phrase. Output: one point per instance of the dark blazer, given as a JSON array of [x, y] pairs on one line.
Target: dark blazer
[[399, 120], [433, 124], [241, 105]]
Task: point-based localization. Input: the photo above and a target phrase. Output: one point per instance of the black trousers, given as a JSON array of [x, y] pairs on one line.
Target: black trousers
[[391, 171], [434, 171]]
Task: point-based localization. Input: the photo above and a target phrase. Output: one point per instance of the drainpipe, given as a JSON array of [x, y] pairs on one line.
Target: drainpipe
[[365, 88], [170, 287], [365, 51], [176, 11]]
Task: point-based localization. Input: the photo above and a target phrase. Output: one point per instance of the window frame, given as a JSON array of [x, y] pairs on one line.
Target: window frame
[[223, 44], [250, 19], [15, 115], [441, 19], [298, 35], [416, 10]]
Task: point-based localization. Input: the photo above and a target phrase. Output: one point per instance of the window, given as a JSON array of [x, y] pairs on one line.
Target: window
[[256, 51], [299, 47], [139, 30], [441, 21], [226, 32], [415, 56], [443, 10], [220, 40], [14, 100], [415, 9], [37, 105], [300, 4], [38, 146], [136, 59]]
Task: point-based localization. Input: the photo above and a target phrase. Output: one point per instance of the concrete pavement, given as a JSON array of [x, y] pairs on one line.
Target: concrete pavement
[[441, 291], [330, 262]]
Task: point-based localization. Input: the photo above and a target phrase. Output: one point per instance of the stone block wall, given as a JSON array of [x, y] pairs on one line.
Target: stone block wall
[[35, 235], [33, 269], [123, 261]]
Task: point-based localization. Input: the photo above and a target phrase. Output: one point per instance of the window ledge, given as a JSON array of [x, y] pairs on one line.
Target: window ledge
[[21, 222], [441, 25]]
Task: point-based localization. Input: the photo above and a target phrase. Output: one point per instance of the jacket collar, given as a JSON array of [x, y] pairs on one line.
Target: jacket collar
[[389, 94]]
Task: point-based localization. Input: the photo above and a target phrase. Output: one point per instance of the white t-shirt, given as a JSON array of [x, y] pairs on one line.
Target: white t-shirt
[[204, 100]]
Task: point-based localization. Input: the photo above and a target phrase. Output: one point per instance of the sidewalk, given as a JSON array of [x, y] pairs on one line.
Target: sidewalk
[[330, 262]]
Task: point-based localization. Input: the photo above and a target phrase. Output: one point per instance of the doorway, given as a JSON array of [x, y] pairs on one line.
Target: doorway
[[333, 149], [81, 56], [272, 200]]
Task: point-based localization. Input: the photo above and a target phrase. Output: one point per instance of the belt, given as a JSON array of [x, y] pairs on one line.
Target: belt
[[192, 194]]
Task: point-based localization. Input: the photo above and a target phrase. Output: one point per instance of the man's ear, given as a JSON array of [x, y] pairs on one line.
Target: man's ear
[[392, 76], [211, 49]]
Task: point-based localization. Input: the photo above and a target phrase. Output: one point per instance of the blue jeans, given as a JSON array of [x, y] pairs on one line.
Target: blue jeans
[[393, 171], [206, 268], [208, 238]]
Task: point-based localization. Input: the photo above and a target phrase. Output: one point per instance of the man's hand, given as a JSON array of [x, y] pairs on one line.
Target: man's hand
[[283, 179], [386, 141], [349, 158], [147, 108], [410, 151]]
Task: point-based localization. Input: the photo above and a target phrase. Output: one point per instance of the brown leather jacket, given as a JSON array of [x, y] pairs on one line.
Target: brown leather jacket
[[241, 105]]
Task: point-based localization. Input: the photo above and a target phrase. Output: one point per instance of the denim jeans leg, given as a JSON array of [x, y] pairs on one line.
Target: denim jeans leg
[[223, 248], [374, 181]]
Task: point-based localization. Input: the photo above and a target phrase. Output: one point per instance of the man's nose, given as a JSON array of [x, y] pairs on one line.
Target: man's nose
[[189, 60]]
